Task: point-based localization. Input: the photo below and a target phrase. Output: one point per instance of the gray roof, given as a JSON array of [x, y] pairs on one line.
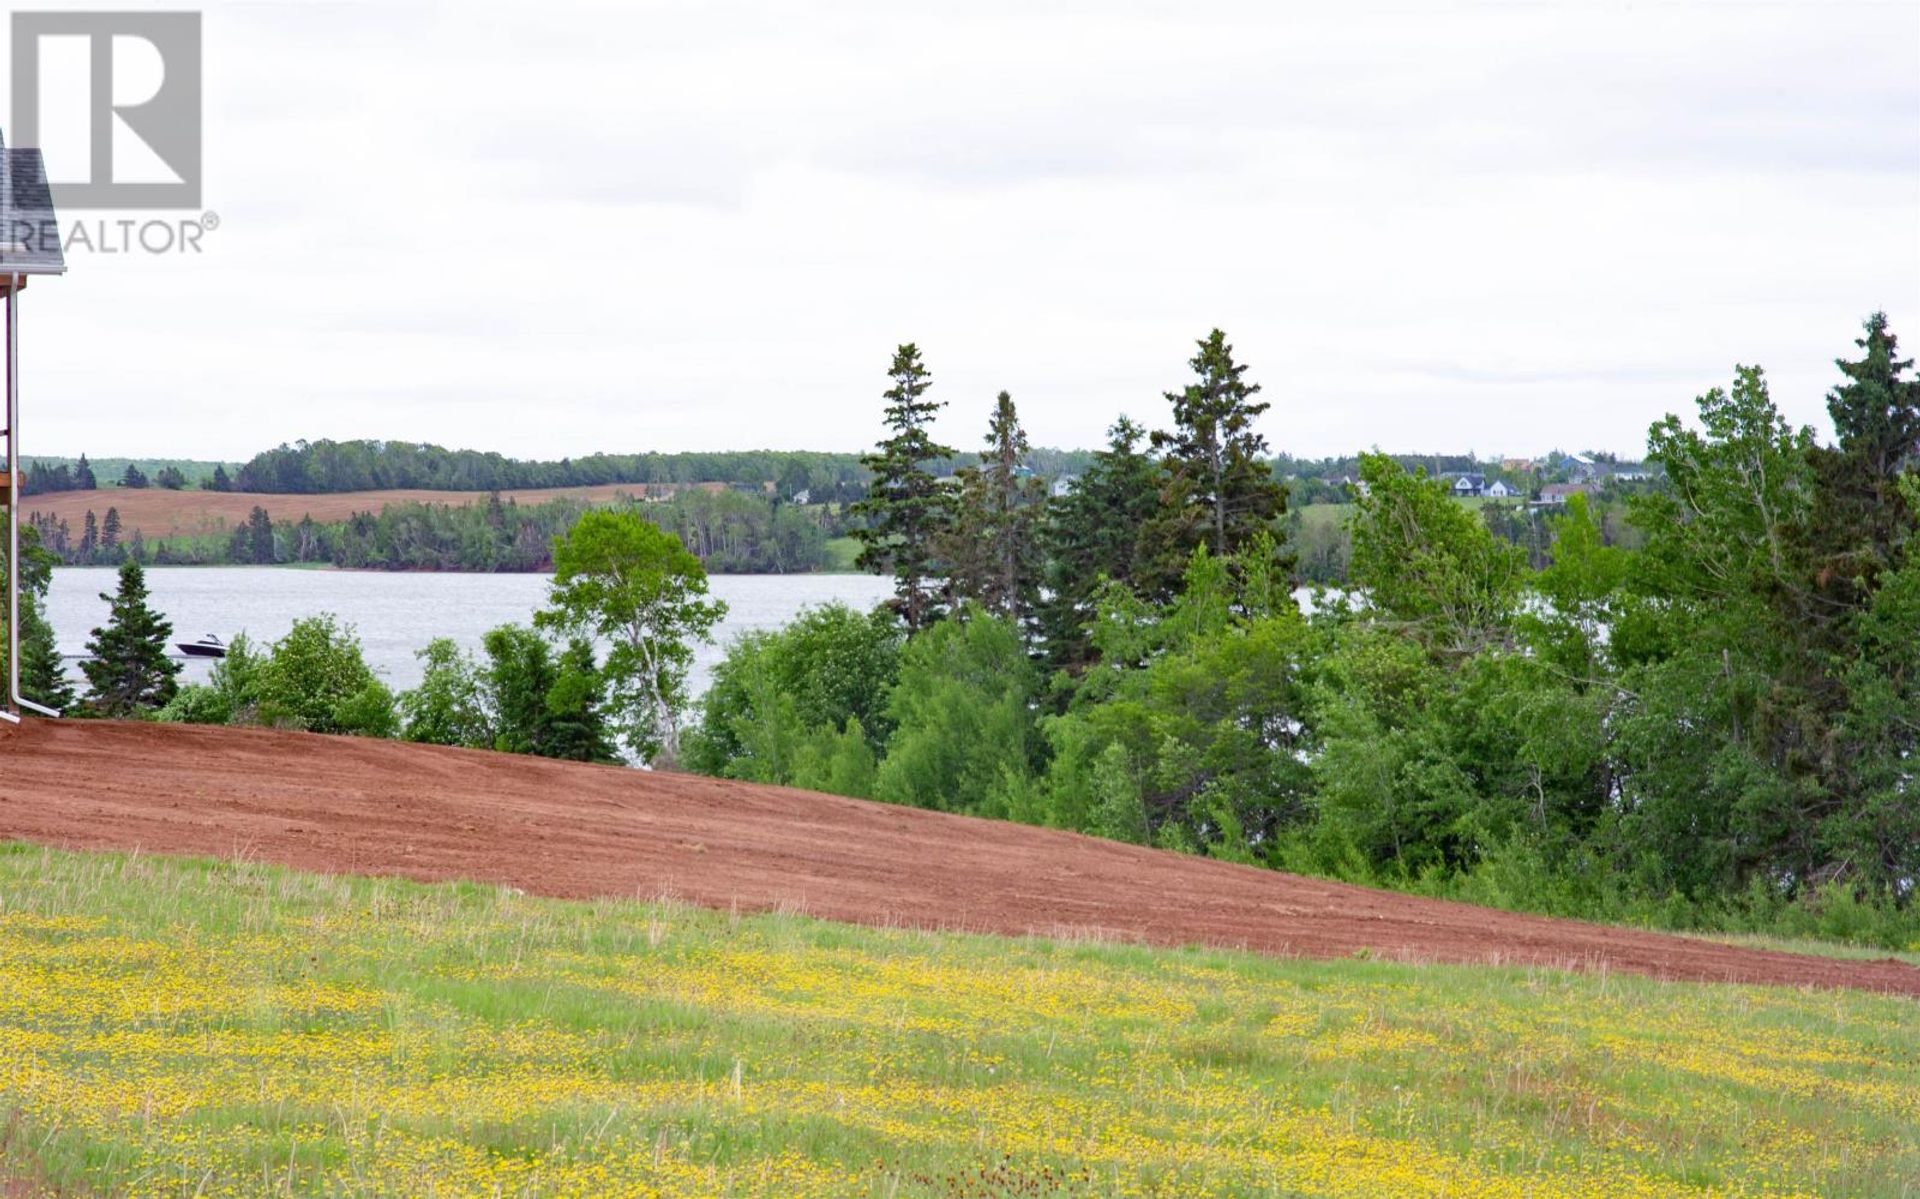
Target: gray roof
[[29, 232]]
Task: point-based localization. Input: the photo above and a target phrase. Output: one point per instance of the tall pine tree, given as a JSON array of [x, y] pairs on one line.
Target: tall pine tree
[[906, 507], [1217, 489], [1861, 515], [992, 547], [1093, 534], [127, 668]]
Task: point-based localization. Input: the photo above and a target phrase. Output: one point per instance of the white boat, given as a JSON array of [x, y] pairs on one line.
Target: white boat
[[207, 647]]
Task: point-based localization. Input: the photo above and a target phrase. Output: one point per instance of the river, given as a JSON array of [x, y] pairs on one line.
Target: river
[[397, 614]]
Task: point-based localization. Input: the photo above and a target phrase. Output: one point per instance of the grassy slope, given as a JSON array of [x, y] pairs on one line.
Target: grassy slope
[[173, 1027]]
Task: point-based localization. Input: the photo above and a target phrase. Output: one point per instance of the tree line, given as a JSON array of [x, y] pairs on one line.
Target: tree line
[[1711, 723], [732, 532]]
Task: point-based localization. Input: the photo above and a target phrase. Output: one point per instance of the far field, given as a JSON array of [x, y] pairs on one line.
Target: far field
[[158, 513]]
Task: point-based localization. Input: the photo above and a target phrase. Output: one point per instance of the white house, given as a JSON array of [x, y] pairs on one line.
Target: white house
[[1498, 490]]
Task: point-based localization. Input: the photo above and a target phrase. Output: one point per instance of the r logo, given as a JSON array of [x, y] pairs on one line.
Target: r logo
[[112, 100]]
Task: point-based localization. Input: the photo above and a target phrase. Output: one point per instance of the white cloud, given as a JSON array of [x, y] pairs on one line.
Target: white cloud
[[548, 230]]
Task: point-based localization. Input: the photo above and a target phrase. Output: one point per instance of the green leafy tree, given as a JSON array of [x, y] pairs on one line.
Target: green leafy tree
[[906, 507], [962, 715], [317, 678], [127, 669], [780, 696], [1426, 562], [447, 708], [621, 579], [1218, 490], [519, 673]]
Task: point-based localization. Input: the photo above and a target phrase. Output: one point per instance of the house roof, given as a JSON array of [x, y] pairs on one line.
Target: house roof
[[29, 233]]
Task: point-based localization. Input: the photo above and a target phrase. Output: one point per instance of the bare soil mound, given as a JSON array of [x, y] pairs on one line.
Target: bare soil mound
[[381, 808]]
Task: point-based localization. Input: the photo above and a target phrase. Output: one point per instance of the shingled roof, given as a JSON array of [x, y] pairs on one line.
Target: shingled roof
[[29, 232]]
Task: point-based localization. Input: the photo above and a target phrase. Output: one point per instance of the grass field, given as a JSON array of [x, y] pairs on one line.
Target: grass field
[[183, 1028], [841, 552]]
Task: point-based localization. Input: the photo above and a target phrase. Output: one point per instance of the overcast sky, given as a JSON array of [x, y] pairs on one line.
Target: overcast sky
[[550, 230]]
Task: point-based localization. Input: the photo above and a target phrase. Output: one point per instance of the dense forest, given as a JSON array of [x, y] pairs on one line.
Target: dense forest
[[1712, 722]]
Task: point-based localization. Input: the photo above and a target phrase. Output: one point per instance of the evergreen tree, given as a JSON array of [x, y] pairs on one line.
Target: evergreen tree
[[260, 537], [1093, 534], [992, 548], [1861, 514], [1218, 489], [171, 478], [134, 478], [576, 723], [127, 668], [110, 532], [219, 481], [83, 479], [43, 676], [89, 538], [906, 507]]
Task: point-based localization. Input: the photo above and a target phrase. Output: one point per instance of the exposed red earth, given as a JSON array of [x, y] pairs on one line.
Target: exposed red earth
[[159, 513], [348, 805]]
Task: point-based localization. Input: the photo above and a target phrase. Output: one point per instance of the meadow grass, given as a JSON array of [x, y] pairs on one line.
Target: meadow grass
[[179, 1027], [841, 554]]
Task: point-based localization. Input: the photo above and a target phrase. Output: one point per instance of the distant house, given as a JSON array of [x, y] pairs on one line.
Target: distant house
[[1632, 472], [1557, 493], [1519, 465], [1498, 490], [803, 497], [1467, 485], [1581, 467], [1064, 484]]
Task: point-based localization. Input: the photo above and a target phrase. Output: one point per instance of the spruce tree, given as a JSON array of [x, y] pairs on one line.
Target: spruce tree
[[1217, 489], [260, 550], [83, 479], [127, 668], [89, 538], [134, 478], [991, 548], [110, 532], [1861, 516], [219, 481], [906, 507], [1093, 533]]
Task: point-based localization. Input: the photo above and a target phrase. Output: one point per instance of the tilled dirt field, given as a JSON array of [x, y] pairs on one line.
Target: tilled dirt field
[[158, 513], [381, 808]]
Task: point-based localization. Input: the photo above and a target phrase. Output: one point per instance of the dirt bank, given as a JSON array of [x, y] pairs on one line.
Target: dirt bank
[[553, 828]]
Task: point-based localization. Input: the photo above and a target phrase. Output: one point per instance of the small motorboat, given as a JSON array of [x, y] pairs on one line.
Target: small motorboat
[[207, 647]]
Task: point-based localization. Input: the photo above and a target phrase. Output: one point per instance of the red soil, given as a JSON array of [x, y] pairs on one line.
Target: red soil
[[381, 808], [159, 513]]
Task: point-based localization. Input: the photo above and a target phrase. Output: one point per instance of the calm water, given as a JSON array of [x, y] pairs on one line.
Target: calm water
[[397, 614]]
